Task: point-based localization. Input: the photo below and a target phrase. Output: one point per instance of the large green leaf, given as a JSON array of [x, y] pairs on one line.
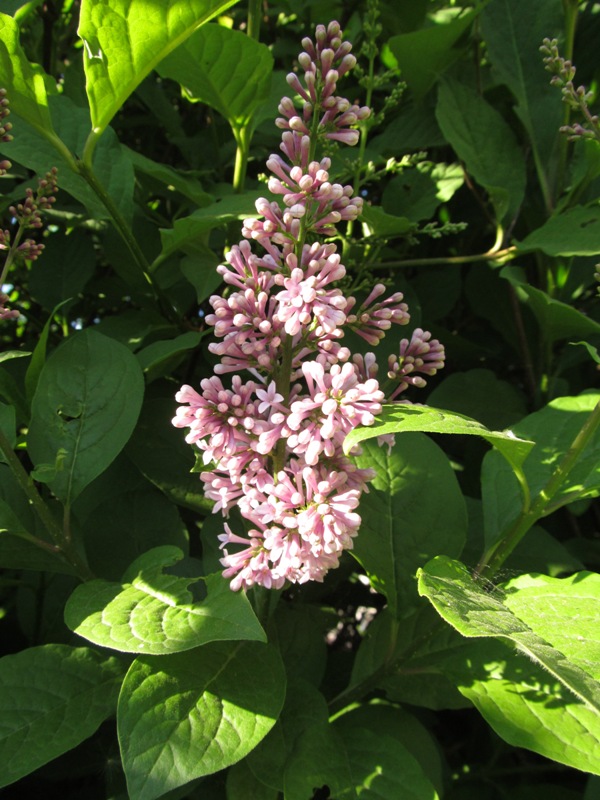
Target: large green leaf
[[553, 428], [155, 611], [525, 706], [190, 714], [574, 602], [125, 39], [402, 418], [25, 83], [223, 68], [475, 612], [413, 510], [51, 698], [574, 232], [484, 141], [550, 700], [85, 407]]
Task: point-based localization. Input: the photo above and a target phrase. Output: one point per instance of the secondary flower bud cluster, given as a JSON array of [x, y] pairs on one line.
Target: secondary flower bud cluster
[[27, 215], [272, 442], [578, 98]]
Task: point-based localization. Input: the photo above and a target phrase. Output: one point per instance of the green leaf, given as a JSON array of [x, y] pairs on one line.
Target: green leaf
[[396, 723], [19, 553], [381, 224], [86, 405], [513, 32], [354, 761], [191, 714], [473, 612], [574, 232], [547, 701], [52, 698], [319, 759], [38, 357], [400, 418], [155, 611], [304, 710], [424, 55], [381, 767], [574, 603], [8, 426], [68, 264], [224, 68], [127, 523], [187, 185], [592, 351], [161, 453], [112, 166], [414, 510], [190, 230], [125, 39], [526, 707], [557, 320], [241, 784], [484, 141], [25, 83], [553, 428], [479, 394], [417, 646], [157, 358]]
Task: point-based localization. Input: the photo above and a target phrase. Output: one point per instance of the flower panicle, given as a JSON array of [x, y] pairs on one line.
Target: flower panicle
[[272, 442]]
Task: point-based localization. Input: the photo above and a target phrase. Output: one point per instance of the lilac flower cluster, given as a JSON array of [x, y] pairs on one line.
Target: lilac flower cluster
[[273, 444]]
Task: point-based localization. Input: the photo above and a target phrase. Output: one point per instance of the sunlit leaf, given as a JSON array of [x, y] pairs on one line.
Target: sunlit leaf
[[125, 39]]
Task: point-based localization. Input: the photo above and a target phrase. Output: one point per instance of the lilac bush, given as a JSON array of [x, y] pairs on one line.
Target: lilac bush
[[273, 442]]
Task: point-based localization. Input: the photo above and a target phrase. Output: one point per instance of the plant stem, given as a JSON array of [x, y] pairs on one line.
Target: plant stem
[[61, 547], [254, 15], [497, 555], [491, 255], [242, 137], [11, 254]]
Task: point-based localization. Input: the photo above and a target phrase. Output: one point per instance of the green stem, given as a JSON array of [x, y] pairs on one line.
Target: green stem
[[242, 138], [254, 15], [497, 555], [61, 547], [126, 234], [491, 255]]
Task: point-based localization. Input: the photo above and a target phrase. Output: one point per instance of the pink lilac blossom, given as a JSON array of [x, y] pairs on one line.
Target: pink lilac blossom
[[272, 444]]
